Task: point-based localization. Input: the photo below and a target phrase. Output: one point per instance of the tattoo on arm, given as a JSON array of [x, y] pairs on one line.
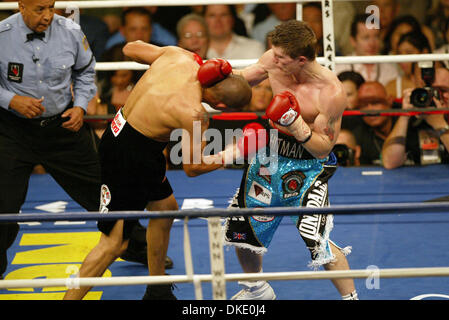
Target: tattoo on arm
[[329, 130]]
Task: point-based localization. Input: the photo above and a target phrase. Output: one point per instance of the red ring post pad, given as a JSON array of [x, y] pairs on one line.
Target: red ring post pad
[[236, 116], [395, 112], [255, 115]]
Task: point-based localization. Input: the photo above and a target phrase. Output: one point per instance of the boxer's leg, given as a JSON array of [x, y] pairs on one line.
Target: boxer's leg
[[251, 236], [315, 231], [158, 237], [100, 258], [250, 261], [344, 286]]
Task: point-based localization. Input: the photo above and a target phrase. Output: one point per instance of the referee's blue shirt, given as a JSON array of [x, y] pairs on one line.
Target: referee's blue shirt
[[46, 68]]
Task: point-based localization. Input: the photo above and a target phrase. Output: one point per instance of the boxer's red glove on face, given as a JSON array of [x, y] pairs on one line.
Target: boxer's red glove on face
[[284, 110], [213, 71]]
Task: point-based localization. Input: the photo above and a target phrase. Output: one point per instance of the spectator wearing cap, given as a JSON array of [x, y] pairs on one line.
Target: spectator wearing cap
[[373, 130]]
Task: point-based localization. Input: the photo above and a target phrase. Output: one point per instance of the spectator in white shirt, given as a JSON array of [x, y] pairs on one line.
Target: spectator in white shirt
[[224, 42], [366, 42]]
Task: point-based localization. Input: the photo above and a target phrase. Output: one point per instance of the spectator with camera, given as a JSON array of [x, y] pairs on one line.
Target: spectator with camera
[[424, 139], [346, 149], [372, 131], [409, 43]]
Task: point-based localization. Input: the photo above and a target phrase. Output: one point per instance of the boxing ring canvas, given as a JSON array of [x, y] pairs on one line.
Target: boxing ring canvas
[[55, 249]]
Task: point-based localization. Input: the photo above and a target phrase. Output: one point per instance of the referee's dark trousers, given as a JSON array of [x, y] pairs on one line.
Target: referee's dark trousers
[[69, 157]]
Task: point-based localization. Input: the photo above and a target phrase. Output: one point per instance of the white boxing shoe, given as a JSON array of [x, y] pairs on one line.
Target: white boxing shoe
[[258, 290]]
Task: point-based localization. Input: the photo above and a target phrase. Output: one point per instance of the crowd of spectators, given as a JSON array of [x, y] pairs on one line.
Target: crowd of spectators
[[241, 32]]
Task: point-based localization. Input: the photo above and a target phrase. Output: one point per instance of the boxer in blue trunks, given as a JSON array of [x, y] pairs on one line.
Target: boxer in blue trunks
[[306, 109], [299, 179]]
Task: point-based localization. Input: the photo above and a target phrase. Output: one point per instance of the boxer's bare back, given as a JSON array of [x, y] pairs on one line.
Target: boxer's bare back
[[168, 96]]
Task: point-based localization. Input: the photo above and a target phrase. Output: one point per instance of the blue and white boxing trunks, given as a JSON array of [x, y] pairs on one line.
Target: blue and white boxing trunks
[[294, 183]]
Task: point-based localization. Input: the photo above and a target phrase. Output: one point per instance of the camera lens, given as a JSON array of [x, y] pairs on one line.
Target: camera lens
[[341, 151], [420, 98]]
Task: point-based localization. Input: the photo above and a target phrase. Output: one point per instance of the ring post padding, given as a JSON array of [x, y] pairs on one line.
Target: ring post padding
[[217, 258], [189, 262], [328, 34]]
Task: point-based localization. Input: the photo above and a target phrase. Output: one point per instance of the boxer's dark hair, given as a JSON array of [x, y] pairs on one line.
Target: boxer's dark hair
[[234, 91], [296, 38]]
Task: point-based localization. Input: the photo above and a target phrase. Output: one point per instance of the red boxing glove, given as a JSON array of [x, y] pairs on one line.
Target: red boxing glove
[[283, 109], [254, 138], [213, 71], [197, 58]]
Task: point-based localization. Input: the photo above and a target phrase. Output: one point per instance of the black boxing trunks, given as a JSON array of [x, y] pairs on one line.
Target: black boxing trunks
[[132, 172]]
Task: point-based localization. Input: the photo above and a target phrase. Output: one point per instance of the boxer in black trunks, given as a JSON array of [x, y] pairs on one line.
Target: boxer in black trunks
[[166, 98]]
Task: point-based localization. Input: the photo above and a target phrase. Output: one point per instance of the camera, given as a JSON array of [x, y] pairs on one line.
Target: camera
[[423, 97], [344, 155]]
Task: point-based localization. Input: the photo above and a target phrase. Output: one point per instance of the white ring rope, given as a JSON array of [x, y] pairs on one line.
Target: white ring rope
[[241, 63], [142, 3], [268, 276]]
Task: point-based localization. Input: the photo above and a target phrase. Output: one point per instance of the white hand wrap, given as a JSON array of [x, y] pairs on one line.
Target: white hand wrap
[[230, 154], [300, 130]]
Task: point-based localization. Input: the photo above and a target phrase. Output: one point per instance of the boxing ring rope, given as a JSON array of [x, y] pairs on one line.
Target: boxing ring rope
[[241, 63], [269, 276], [75, 282], [141, 3], [214, 215], [372, 208]]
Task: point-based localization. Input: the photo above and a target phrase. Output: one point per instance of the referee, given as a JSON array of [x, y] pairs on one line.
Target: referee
[[47, 78]]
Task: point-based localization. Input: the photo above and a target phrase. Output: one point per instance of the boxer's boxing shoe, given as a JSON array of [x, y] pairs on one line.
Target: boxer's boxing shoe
[[259, 290], [159, 292]]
